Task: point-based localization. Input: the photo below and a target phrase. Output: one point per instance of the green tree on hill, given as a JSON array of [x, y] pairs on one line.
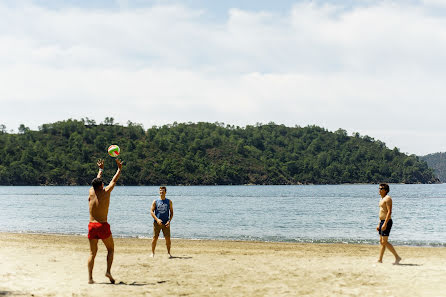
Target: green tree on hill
[[437, 162], [64, 153]]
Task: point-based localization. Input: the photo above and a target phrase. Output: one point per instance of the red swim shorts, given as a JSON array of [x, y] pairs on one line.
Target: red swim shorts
[[98, 230]]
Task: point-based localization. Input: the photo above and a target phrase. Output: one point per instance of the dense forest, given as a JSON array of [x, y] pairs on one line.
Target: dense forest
[[65, 153], [437, 162]]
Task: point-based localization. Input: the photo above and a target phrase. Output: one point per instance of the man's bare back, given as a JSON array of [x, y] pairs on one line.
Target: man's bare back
[[98, 201]]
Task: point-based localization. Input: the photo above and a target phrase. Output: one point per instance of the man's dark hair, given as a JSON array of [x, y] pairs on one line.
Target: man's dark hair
[[97, 182], [385, 187], [164, 188]]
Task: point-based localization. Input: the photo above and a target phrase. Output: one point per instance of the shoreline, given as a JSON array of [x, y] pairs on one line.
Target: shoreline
[[55, 265], [320, 241]]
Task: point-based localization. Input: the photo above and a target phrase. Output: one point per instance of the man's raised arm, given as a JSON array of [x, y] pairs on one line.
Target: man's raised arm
[[100, 164], [115, 178]]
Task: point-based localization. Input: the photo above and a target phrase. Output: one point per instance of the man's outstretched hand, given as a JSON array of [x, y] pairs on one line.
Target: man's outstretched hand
[[119, 163], [100, 163]]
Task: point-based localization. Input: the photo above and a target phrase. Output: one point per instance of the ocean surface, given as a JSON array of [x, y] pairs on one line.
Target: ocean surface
[[304, 213]]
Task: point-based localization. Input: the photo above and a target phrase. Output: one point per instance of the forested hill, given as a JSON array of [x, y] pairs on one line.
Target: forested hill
[[65, 153], [437, 162]]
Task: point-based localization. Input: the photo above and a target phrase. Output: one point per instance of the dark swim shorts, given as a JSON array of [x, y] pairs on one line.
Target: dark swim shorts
[[98, 230], [157, 228], [388, 228]]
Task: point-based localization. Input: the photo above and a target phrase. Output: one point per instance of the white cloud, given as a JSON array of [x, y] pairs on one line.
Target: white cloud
[[376, 69], [434, 3]]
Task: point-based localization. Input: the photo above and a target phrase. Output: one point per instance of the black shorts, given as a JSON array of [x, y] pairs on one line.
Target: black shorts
[[388, 228]]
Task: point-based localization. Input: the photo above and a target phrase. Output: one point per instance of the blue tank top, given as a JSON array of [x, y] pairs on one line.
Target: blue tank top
[[162, 210]]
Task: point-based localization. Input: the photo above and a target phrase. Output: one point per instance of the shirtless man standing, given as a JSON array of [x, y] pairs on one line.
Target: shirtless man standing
[[385, 225], [98, 228]]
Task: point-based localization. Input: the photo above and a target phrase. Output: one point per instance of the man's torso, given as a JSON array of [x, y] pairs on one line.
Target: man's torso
[[98, 204], [383, 210]]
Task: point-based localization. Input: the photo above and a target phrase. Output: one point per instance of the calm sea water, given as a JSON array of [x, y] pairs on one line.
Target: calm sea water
[[331, 213]]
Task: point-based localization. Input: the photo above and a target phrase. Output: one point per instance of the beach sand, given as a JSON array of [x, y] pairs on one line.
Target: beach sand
[[53, 265]]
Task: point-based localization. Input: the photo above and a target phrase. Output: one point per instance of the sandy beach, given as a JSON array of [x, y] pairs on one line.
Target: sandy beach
[[53, 265]]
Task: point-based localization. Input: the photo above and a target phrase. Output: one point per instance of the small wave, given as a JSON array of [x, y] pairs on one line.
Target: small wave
[[253, 238]]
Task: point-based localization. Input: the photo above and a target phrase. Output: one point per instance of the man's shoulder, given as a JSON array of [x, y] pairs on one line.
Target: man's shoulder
[[388, 198], [91, 192], [103, 194]]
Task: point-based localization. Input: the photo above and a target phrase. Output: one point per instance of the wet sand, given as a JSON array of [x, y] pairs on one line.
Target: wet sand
[[53, 265]]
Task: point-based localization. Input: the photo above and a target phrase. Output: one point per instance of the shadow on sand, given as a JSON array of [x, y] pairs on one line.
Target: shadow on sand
[[136, 284], [13, 293], [178, 257], [404, 264]]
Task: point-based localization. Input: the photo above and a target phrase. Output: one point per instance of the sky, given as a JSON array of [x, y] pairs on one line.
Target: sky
[[373, 67]]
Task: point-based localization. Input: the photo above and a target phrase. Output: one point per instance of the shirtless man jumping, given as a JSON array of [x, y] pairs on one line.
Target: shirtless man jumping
[[98, 228], [385, 216]]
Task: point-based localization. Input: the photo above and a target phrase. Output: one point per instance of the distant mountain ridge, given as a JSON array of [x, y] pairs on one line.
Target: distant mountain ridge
[[65, 153], [437, 161]]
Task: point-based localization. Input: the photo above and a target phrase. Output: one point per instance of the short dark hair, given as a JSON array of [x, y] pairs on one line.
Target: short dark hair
[[97, 182], [164, 188], [385, 187]]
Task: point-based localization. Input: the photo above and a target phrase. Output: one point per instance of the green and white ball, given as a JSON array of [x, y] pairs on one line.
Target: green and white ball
[[113, 150]]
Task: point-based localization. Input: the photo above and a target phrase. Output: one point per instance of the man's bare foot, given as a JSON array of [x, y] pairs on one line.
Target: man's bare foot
[[91, 281], [152, 255], [170, 256], [379, 261], [397, 261], [110, 277]]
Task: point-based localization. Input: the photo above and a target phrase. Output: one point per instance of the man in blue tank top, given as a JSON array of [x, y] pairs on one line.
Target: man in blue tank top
[[162, 213]]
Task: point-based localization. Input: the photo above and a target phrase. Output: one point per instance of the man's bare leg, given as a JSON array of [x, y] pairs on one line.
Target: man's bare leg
[[154, 240], [392, 250], [382, 249], [168, 243], [385, 244], [93, 252], [110, 245]]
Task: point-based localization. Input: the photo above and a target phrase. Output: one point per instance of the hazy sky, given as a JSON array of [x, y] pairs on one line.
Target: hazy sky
[[373, 67]]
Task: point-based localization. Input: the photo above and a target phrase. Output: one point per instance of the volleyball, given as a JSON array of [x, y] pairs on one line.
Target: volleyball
[[113, 150]]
